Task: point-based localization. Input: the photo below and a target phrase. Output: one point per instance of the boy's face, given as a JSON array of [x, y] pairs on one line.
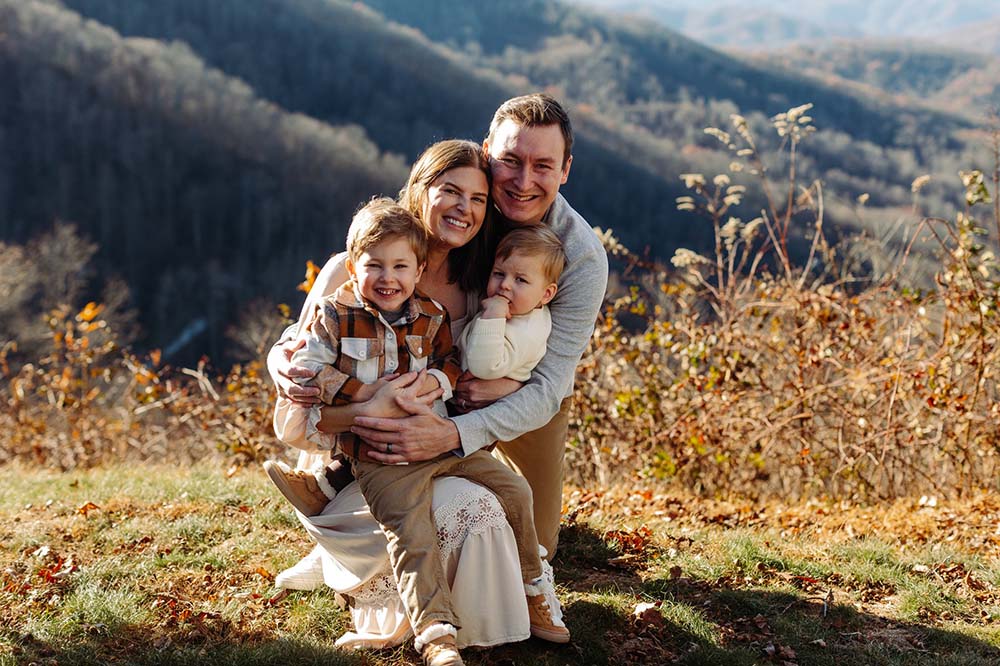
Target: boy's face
[[521, 280], [387, 274]]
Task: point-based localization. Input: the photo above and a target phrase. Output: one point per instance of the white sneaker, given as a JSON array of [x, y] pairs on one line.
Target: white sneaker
[[306, 574]]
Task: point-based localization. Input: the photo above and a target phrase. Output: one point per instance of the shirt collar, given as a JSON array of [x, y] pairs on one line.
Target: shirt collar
[[350, 295]]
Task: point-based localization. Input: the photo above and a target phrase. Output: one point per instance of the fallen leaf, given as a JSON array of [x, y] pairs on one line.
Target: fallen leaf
[[85, 509]]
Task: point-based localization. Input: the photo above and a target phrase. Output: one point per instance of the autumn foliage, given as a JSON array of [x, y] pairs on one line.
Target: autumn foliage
[[754, 370]]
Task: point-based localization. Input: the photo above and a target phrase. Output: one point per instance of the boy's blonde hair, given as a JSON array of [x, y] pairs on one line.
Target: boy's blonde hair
[[381, 220], [535, 241]]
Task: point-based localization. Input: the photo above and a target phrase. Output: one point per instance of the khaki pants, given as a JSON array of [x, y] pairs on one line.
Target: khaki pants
[[399, 497], [538, 457]]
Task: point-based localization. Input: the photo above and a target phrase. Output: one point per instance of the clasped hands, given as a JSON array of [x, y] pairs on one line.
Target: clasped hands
[[398, 411]]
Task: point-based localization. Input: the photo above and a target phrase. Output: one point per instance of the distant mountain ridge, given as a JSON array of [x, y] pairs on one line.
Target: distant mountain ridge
[[216, 146], [955, 81], [724, 23]]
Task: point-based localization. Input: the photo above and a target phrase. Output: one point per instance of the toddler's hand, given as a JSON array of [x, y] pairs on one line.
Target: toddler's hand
[[495, 307]]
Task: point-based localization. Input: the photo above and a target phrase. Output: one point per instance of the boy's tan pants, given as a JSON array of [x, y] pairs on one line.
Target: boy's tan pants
[[399, 497]]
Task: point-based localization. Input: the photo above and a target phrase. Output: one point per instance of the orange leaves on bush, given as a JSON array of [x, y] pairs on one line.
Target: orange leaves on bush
[[89, 312], [312, 270]]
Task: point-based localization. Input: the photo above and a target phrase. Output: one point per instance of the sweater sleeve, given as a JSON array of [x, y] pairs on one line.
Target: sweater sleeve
[[495, 348], [573, 311]]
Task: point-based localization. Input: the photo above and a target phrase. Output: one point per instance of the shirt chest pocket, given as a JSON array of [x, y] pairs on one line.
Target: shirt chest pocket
[[419, 348], [361, 358]]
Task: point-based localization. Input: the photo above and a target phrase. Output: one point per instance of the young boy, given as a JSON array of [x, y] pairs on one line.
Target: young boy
[[373, 325], [507, 337]]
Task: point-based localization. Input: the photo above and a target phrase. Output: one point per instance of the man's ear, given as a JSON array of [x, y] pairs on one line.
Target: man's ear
[[565, 170], [549, 293]]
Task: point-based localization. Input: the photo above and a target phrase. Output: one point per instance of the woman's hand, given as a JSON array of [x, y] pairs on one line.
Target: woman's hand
[[421, 435], [284, 374], [472, 393]]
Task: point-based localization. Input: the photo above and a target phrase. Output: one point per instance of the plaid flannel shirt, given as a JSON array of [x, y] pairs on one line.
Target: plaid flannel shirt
[[348, 344]]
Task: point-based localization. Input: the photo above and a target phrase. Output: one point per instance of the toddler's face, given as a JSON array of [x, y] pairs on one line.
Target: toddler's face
[[387, 274], [521, 280]]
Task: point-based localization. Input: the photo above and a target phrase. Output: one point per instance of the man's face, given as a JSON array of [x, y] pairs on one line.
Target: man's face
[[527, 165]]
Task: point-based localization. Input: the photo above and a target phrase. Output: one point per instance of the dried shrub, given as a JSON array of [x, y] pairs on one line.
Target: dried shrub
[[755, 377]]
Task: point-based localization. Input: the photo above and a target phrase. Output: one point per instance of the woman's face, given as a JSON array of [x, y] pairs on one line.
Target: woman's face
[[455, 206]]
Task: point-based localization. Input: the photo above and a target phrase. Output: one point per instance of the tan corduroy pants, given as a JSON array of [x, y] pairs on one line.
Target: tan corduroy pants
[[399, 497]]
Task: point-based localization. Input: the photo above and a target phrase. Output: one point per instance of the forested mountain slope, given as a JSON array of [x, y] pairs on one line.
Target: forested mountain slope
[[341, 62], [917, 74], [199, 193], [604, 60], [210, 148], [640, 94]]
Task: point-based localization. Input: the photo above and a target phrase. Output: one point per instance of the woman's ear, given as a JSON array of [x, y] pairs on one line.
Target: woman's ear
[[549, 293]]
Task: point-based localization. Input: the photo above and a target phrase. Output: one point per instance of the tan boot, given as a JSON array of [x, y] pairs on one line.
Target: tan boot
[[303, 488], [544, 612], [442, 652]]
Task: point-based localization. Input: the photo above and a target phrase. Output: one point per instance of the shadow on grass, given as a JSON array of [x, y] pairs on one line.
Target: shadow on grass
[[131, 645], [697, 622], [751, 626]]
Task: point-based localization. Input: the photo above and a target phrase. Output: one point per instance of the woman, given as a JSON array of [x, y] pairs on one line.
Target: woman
[[447, 190]]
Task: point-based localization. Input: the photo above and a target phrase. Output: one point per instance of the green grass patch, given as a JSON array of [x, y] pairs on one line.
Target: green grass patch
[[147, 565]]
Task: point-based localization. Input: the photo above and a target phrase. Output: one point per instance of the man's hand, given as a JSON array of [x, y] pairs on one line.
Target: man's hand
[[422, 435], [495, 307], [472, 393], [284, 374]]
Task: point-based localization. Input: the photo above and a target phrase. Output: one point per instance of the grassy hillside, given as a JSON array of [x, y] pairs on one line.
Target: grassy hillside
[[172, 566]]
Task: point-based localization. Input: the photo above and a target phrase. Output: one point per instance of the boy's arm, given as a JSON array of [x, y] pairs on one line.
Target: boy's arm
[[320, 353], [284, 374]]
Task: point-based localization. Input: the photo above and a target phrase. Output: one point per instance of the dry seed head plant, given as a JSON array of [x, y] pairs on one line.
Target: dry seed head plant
[[745, 371], [756, 377]]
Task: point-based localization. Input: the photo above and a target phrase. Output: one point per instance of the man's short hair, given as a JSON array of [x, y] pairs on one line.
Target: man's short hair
[[535, 110], [535, 241], [381, 220]]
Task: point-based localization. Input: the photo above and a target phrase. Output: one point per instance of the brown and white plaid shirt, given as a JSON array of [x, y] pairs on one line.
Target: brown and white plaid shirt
[[348, 343]]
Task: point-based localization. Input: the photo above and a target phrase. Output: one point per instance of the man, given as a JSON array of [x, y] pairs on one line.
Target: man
[[529, 145]]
